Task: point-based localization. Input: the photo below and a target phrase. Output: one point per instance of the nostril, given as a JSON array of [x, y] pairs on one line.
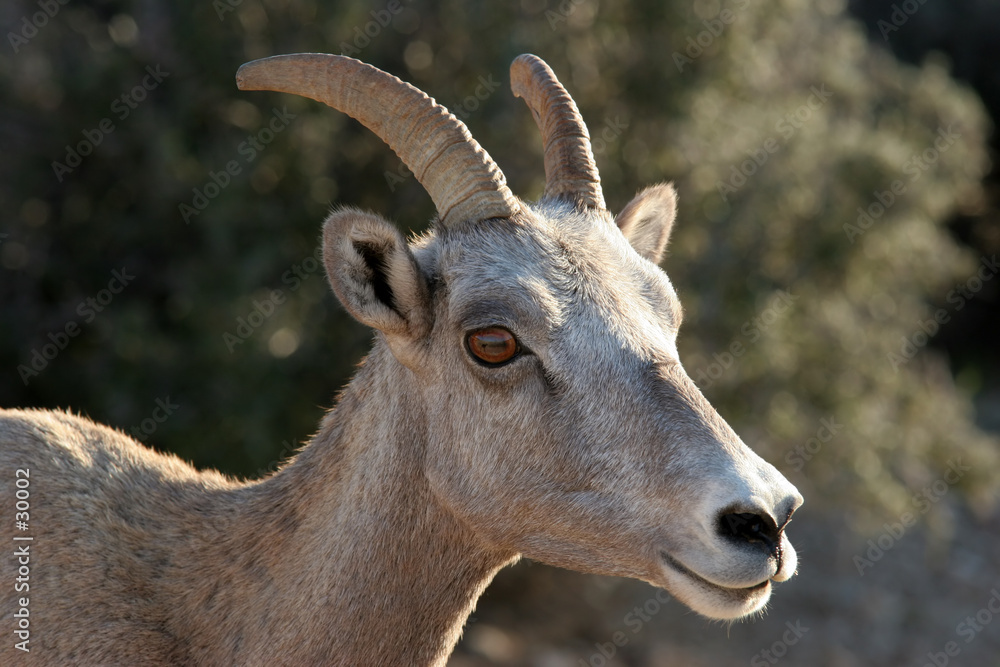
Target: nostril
[[750, 528]]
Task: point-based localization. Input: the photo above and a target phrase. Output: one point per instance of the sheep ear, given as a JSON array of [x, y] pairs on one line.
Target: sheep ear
[[375, 276], [647, 220]]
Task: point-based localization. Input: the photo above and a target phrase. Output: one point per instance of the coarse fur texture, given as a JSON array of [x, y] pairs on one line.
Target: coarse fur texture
[[591, 449]]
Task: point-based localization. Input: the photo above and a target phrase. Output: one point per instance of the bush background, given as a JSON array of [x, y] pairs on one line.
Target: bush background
[[826, 358]]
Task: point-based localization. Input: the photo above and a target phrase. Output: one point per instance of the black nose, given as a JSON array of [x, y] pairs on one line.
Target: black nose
[[749, 528]]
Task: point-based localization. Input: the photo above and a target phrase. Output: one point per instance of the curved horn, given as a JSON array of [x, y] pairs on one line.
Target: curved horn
[[570, 171], [461, 178]]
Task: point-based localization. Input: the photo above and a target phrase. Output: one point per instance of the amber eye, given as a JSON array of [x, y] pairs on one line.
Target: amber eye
[[492, 346]]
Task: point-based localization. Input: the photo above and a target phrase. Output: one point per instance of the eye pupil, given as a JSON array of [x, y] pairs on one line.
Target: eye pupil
[[493, 345]]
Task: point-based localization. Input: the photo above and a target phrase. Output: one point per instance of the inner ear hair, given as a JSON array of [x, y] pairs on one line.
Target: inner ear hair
[[375, 258]]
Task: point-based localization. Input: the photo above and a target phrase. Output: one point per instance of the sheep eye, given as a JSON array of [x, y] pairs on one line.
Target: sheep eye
[[493, 346]]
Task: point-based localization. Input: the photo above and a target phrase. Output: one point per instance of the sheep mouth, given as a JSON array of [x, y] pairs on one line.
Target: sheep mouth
[[742, 592]]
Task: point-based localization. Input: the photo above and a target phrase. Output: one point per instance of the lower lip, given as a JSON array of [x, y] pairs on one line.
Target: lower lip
[[687, 572]]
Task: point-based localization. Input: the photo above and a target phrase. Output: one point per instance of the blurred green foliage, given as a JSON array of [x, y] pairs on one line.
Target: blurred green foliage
[[740, 93]]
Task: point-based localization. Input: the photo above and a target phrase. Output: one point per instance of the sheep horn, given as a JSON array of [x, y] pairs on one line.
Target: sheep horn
[[570, 171], [461, 178]]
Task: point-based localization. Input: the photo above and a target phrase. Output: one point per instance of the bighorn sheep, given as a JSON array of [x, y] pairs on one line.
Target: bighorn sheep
[[523, 397]]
